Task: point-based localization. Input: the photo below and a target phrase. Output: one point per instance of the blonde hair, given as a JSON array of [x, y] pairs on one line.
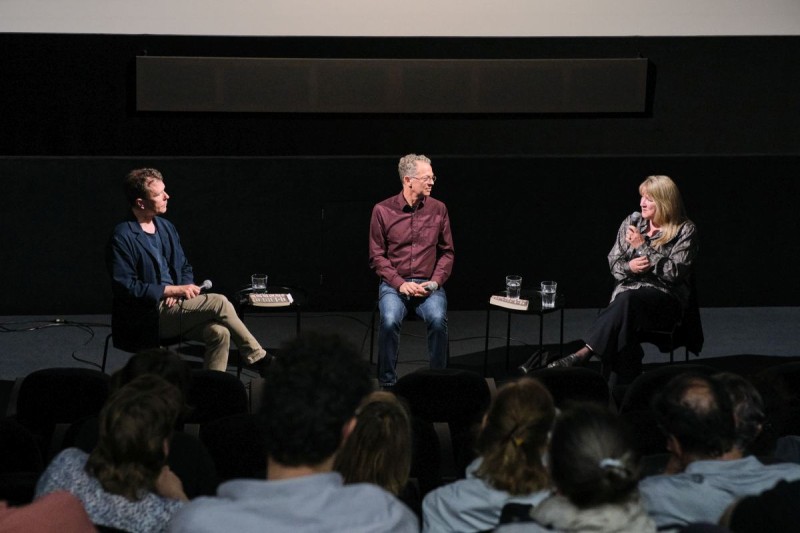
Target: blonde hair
[[514, 435], [670, 212], [378, 450]]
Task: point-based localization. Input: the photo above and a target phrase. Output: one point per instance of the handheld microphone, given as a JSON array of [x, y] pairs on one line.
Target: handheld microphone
[[636, 217], [206, 285]]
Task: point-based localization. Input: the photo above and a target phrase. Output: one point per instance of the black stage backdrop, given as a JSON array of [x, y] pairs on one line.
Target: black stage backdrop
[[290, 194]]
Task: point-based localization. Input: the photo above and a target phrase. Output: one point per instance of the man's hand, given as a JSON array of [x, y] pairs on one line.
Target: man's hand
[[409, 288], [173, 293]]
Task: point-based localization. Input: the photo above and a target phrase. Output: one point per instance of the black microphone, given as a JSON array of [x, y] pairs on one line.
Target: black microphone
[[636, 217], [206, 285]]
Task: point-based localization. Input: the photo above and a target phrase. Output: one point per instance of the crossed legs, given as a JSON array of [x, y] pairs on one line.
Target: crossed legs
[[212, 320]]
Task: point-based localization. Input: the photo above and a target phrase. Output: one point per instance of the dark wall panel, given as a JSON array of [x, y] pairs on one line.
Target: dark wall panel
[[75, 95], [289, 193], [312, 85], [305, 221]]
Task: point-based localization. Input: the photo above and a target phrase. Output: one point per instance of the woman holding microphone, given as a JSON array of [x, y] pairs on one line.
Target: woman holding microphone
[[651, 261]]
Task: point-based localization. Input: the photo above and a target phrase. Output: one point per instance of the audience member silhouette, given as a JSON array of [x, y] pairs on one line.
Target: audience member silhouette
[[379, 448], [510, 466], [125, 483], [595, 470], [774, 510], [697, 416], [748, 409], [311, 394], [188, 457]]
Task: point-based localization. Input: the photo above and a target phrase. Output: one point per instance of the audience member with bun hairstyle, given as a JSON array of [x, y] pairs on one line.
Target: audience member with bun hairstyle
[[510, 467], [595, 471]]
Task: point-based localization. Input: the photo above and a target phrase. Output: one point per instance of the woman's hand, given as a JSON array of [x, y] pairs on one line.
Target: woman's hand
[[639, 265], [633, 237], [169, 485]]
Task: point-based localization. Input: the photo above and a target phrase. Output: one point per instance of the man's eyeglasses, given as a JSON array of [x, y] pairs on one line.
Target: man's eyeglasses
[[425, 179]]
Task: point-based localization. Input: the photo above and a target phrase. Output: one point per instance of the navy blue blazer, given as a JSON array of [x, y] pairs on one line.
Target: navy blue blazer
[[136, 281]]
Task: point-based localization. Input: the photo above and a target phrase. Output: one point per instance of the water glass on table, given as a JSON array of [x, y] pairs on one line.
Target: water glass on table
[[513, 286], [258, 282], [548, 294]]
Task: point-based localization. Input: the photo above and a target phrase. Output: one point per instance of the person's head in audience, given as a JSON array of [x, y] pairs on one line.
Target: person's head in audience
[[748, 409], [514, 435], [592, 458], [135, 426], [311, 394], [159, 361], [379, 448], [696, 414]]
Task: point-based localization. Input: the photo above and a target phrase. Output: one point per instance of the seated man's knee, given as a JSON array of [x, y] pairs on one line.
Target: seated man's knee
[[391, 311], [391, 320], [218, 301], [214, 333], [437, 320]]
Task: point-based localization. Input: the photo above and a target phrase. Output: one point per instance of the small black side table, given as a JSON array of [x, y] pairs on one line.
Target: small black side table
[[244, 307], [534, 308]]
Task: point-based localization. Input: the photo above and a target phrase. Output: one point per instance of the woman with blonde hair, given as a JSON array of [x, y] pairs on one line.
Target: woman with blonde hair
[[378, 450], [510, 467], [651, 261]]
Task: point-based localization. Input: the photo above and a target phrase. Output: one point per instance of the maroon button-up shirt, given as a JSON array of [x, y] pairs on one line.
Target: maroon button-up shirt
[[410, 242]]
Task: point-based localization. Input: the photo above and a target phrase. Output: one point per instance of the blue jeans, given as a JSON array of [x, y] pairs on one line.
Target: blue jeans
[[393, 308]]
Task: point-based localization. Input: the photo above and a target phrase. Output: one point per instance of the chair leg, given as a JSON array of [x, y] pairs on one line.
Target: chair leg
[[105, 353], [372, 336], [671, 348]]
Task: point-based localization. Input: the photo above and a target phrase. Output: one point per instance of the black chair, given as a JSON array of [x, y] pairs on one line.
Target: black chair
[[686, 332], [515, 513], [640, 392], [213, 395], [779, 386], [236, 444], [574, 384], [48, 401], [135, 327], [451, 402], [21, 462]]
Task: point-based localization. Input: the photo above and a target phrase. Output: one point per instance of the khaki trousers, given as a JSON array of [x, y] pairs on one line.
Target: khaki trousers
[[212, 320]]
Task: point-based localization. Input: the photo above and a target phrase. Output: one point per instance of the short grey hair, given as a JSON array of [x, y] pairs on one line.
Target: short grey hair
[[408, 164]]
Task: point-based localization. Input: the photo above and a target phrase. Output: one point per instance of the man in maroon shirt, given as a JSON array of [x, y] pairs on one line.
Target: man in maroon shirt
[[411, 250]]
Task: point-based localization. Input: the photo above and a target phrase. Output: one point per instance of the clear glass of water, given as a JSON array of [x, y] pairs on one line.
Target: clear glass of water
[[258, 282], [549, 294], [513, 286]]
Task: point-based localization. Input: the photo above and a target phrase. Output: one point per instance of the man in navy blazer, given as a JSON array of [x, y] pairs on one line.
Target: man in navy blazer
[[155, 295]]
